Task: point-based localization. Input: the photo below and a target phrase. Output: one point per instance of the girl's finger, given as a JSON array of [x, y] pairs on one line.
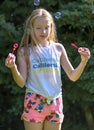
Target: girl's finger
[[80, 49], [11, 55], [83, 49]]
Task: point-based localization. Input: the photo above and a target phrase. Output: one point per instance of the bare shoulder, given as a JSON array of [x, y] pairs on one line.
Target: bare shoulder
[[23, 51], [60, 47], [20, 51]]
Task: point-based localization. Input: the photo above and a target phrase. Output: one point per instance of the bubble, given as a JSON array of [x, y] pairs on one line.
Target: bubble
[[12, 15], [92, 11], [82, 30], [36, 2], [58, 15]]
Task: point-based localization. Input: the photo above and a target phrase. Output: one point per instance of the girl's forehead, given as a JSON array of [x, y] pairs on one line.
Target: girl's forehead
[[42, 20]]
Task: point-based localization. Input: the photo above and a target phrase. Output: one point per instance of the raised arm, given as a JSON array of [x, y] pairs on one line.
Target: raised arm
[[19, 72], [72, 73]]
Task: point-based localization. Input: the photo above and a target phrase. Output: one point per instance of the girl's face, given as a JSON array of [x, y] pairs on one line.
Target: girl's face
[[42, 29]]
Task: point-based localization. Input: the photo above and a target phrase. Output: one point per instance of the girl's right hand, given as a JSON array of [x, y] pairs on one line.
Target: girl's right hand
[[85, 53], [10, 60]]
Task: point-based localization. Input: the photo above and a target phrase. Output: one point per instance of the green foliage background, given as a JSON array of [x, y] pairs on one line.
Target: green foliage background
[[75, 23]]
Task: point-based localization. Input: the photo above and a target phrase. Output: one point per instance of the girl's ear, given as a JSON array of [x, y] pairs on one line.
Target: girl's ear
[[51, 29], [51, 26]]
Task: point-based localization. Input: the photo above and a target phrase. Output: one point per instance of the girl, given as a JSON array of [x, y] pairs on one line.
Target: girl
[[39, 59]]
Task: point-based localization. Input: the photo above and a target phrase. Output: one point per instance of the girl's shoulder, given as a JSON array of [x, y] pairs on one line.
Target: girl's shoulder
[[23, 50], [59, 44], [59, 47], [20, 51], [23, 53]]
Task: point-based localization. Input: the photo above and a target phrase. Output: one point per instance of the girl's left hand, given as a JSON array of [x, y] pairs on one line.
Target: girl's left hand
[[85, 53], [10, 60]]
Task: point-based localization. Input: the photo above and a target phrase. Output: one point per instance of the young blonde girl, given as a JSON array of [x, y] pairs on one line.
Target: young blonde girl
[[39, 58]]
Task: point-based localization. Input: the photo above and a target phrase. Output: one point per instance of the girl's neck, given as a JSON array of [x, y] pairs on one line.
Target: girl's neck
[[45, 44]]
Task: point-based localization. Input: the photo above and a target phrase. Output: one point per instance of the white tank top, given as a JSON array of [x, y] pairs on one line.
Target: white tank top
[[44, 76]]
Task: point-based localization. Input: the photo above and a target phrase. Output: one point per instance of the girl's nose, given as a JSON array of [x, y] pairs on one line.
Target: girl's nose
[[43, 31]]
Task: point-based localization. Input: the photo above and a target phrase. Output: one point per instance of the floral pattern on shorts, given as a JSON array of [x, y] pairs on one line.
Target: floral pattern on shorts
[[37, 109]]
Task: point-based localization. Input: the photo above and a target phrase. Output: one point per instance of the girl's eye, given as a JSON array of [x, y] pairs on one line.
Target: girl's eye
[[47, 27], [38, 28], [42, 28]]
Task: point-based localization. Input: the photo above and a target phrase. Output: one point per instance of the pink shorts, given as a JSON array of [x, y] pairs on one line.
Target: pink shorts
[[37, 109]]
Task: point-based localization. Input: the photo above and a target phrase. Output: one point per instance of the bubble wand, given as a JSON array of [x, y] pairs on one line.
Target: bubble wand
[[74, 45], [15, 46]]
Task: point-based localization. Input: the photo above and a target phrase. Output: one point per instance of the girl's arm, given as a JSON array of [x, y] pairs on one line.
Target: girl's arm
[[72, 73], [19, 72]]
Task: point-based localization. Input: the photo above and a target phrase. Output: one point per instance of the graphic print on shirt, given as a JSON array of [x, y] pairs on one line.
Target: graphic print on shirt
[[44, 65]]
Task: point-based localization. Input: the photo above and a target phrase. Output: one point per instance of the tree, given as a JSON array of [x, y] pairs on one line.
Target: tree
[[74, 22]]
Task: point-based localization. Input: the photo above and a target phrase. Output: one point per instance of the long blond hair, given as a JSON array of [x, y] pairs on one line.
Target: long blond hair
[[28, 36]]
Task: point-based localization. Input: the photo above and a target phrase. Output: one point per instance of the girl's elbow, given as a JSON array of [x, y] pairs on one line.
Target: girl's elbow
[[73, 79], [20, 84]]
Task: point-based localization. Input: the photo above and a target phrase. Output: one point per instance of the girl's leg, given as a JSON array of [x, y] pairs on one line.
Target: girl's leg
[[33, 126], [51, 126]]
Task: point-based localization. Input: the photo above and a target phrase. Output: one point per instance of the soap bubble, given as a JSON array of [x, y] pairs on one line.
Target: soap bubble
[[36, 2], [58, 15], [82, 30], [12, 15], [92, 11]]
